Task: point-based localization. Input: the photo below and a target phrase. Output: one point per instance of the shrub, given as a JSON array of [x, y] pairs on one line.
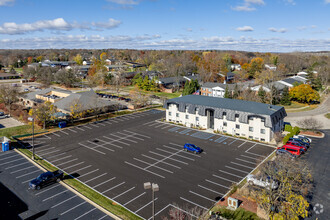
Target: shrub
[[288, 128], [295, 130], [287, 137]]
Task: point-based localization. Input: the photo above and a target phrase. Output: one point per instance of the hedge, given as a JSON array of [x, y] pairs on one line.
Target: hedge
[[288, 128], [294, 131]]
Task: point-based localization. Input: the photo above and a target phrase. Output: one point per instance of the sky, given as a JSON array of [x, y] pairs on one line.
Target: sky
[[248, 25]]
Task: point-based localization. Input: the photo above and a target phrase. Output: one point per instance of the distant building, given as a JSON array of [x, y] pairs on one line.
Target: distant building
[[8, 76], [236, 67], [215, 89], [247, 119], [270, 67]]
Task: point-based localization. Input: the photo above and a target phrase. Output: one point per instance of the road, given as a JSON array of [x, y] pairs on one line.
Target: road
[[322, 109]]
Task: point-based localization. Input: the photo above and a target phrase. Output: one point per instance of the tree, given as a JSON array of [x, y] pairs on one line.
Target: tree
[[304, 93], [8, 95], [262, 94], [255, 66], [227, 93], [40, 58], [103, 56], [76, 109], [67, 78], [44, 112], [190, 87], [78, 59], [285, 99], [310, 123], [236, 93]]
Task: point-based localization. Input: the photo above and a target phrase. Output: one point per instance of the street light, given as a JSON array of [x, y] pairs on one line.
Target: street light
[[32, 119], [154, 188]]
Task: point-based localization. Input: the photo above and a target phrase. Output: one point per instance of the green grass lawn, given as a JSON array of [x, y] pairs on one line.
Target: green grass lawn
[[19, 70], [327, 115], [19, 130], [298, 107], [238, 214]]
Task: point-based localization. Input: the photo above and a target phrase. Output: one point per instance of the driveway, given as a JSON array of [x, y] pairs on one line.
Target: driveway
[[9, 122]]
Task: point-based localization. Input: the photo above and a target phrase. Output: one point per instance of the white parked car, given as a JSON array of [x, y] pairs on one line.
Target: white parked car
[[258, 181], [303, 138]]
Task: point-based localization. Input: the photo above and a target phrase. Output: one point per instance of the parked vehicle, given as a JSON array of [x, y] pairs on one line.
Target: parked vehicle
[[300, 142], [2, 115], [303, 138], [297, 144], [267, 182], [26, 90], [45, 179], [192, 148], [283, 152], [293, 149]]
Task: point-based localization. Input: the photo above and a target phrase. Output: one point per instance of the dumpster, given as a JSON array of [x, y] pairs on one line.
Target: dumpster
[[62, 124], [5, 142]]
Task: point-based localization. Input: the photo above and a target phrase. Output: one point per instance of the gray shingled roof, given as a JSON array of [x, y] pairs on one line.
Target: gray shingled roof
[[32, 95], [232, 104], [221, 85], [291, 81]]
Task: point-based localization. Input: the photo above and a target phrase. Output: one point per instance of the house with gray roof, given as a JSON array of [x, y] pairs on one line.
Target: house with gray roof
[[252, 120], [216, 89]]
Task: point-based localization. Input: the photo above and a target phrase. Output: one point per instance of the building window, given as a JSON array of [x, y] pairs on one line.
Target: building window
[[224, 131], [250, 137], [177, 114], [236, 115], [251, 129], [262, 131], [197, 118], [237, 134], [169, 113], [224, 113], [187, 116], [237, 126], [262, 139], [262, 120], [197, 109], [225, 124]]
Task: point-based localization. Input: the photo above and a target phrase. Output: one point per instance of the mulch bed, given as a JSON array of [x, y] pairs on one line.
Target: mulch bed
[[245, 203], [311, 133]]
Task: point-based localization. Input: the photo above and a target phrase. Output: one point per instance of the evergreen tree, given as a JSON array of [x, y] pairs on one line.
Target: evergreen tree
[[227, 93], [262, 94], [186, 88], [285, 100], [236, 92], [146, 84]]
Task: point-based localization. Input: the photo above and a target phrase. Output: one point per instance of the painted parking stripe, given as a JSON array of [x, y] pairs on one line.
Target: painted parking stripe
[[100, 145], [63, 213], [64, 132], [152, 165], [195, 155], [106, 142], [217, 184], [93, 171], [211, 190], [39, 151], [66, 168], [232, 141], [48, 153], [236, 169], [55, 195], [66, 162], [102, 217], [26, 181], [231, 174], [55, 155], [123, 193], [255, 154], [222, 178], [176, 154], [56, 134], [12, 161], [193, 203], [95, 177], [79, 128], [202, 196], [160, 125], [129, 135], [242, 165], [241, 144], [61, 158], [91, 148], [113, 140], [253, 158], [104, 182], [85, 214], [16, 165], [168, 158], [134, 198], [245, 161], [63, 201], [94, 125], [16, 171], [167, 126], [144, 169], [162, 161], [81, 169], [57, 185], [113, 187], [137, 134], [145, 206], [70, 129], [10, 157], [85, 126], [35, 171], [251, 147]]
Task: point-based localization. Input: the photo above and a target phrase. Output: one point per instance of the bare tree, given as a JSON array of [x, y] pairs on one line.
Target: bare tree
[[310, 123], [8, 95], [184, 212]]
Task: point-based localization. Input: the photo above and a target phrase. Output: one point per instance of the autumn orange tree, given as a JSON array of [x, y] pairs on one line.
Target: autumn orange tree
[[304, 93], [255, 66]]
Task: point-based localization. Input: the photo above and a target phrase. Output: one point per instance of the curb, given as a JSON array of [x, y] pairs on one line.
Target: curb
[[314, 136], [72, 189]]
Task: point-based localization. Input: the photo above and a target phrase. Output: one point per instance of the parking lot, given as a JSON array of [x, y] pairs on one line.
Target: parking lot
[[9, 122], [116, 156], [51, 202]]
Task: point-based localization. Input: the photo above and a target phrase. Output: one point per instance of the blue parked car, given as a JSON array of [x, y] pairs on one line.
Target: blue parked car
[[192, 148]]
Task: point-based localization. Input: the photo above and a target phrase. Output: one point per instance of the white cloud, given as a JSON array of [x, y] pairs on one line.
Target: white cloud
[[243, 8], [291, 2], [245, 28], [257, 2], [280, 30], [6, 2], [124, 2], [58, 24], [189, 30], [327, 1]]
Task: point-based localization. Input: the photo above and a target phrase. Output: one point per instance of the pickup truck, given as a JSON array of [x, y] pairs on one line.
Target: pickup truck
[[45, 179]]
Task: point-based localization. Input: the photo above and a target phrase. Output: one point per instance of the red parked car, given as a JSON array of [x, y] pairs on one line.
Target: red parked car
[[292, 149], [293, 143]]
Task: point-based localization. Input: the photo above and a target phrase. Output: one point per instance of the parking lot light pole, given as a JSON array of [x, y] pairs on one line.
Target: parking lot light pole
[[32, 119], [154, 188]]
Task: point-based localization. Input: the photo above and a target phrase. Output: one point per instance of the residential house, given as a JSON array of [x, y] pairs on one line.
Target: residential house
[[236, 67], [216, 89], [270, 67]]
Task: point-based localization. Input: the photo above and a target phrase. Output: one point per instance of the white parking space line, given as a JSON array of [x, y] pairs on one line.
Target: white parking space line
[[104, 182], [16, 171], [56, 134], [211, 190], [178, 155], [81, 169], [113, 140], [93, 171], [112, 120], [145, 205], [16, 165], [60, 164], [63, 213], [64, 132], [12, 161], [236, 169], [193, 203], [144, 169], [137, 134], [94, 125], [108, 122], [149, 122], [255, 154], [48, 198], [38, 151], [55, 155], [217, 184], [231, 174], [152, 165], [66, 168], [245, 161], [102, 217], [79, 128], [10, 157], [85, 214], [232, 141], [100, 123], [95, 177], [201, 196], [123, 193], [195, 155], [35, 171], [167, 126], [253, 158], [113, 187], [220, 177], [63, 201], [100, 145], [70, 129], [92, 148], [250, 148], [47, 153], [134, 198], [162, 161], [61, 158], [57, 185], [238, 164], [85, 126], [106, 142], [241, 144], [160, 124], [124, 138], [168, 158]]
